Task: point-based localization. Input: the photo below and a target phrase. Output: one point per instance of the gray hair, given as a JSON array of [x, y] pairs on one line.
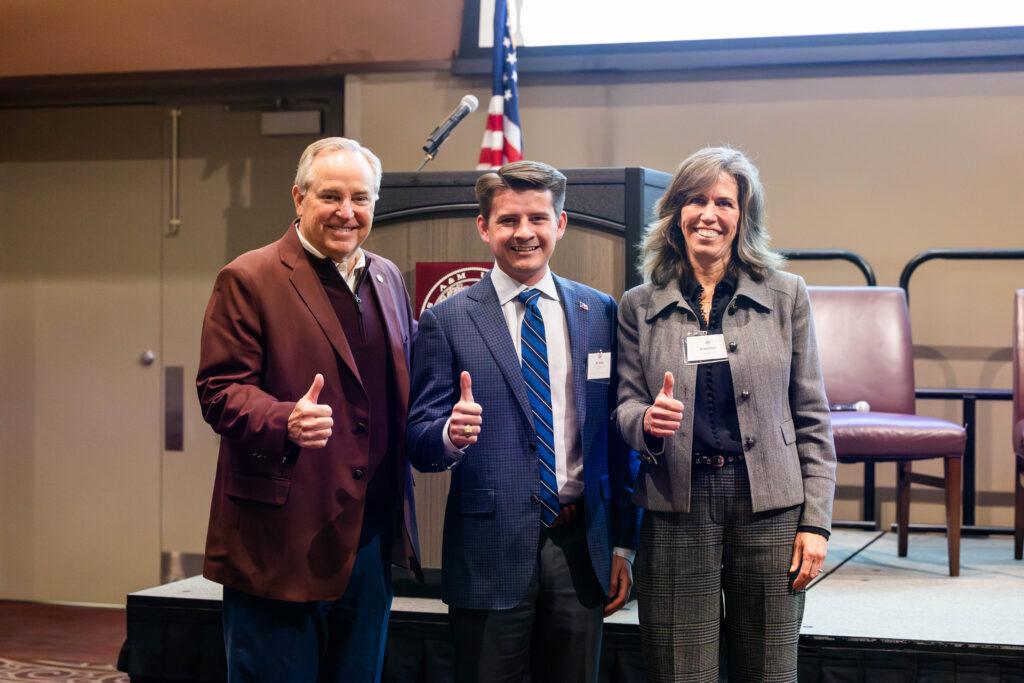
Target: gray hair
[[304, 171], [663, 256]]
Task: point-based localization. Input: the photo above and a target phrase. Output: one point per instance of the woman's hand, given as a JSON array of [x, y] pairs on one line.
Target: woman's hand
[[666, 415], [809, 551]]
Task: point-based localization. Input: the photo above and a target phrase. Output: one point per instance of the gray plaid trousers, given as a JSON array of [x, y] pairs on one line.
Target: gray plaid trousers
[[686, 561]]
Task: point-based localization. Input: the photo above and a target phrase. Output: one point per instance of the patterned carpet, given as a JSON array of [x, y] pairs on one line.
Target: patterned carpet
[[64, 672]]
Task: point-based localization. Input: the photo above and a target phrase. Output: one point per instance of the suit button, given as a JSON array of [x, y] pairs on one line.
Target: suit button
[[744, 394], [360, 428], [535, 500], [749, 442], [732, 346], [533, 447], [358, 473]]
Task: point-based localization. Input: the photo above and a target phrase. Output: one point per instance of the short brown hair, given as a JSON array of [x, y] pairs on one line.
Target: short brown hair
[[518, 176]]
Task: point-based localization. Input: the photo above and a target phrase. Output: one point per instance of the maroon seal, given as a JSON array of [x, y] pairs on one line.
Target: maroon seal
[[438, 280]]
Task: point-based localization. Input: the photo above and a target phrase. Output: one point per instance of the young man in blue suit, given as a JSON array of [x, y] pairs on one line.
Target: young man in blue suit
[[513, 385]]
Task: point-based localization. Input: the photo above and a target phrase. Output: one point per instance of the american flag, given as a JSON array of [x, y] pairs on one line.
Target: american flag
[[503, 139]]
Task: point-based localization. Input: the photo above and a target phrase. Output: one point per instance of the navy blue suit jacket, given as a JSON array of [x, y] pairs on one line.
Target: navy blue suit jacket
[[492, 524]]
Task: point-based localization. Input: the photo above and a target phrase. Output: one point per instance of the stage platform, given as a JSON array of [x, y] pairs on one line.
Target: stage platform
[[870, 616]]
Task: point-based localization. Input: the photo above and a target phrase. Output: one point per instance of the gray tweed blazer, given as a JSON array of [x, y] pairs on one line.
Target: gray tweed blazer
[[780, 397]]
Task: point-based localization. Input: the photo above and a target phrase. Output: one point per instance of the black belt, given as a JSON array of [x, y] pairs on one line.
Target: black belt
[[716, 460]]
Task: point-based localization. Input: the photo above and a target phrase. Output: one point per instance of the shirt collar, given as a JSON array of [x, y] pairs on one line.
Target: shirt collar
[[689, 286], [508, 288], [360, 255]]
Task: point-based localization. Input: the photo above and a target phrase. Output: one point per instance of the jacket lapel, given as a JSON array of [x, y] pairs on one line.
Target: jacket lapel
[[667, 339], [579, 343], [308, 286], [485, 312], [756, 292], [383, 290], [663, 297]]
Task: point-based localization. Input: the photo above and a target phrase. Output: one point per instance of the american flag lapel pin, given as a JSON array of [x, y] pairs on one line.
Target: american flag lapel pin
[[584, 306]]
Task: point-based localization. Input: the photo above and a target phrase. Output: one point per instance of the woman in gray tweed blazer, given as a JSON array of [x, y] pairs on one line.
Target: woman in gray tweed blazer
[[720, 391]]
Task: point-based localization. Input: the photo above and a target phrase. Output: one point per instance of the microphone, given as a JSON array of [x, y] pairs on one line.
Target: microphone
[[467, 106], [858, 406]]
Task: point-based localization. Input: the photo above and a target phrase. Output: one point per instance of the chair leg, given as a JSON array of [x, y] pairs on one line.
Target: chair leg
[[953, 513], [1018, 512], [902, 505]]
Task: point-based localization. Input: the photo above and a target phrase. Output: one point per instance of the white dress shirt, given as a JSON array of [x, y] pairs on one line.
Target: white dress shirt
[[350, 277]]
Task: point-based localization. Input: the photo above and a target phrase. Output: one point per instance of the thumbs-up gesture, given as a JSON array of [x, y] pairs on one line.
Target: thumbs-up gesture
[[309, 425], [464, 426], [664, 417]]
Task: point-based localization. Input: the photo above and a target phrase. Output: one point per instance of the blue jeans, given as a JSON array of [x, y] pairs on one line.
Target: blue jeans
[[330, 640]]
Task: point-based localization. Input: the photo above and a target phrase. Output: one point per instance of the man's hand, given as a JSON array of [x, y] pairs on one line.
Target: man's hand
[[809, 551], [666, 415], [621, 582], [464, 427], [309, 425]]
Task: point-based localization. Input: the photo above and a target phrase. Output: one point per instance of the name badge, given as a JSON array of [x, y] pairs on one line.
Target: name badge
[[599, 365], [704, 348]]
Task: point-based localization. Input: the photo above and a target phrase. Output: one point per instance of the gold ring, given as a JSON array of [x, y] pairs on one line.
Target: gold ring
[[467, 430]]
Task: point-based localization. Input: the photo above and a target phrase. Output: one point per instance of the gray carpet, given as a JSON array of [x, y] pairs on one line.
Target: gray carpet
[[876, 594]]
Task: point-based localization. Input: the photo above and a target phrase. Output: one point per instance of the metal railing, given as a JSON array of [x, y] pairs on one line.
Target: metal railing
[[833, 255]]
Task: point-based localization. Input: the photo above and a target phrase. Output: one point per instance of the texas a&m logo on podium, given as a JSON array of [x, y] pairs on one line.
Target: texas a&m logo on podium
[[438, 280]]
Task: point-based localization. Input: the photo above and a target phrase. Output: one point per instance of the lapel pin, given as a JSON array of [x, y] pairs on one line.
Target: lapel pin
[[584, 306], [380, 278]]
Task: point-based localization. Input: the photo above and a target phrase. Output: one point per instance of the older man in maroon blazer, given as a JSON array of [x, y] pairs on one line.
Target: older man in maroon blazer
[[304, 374]]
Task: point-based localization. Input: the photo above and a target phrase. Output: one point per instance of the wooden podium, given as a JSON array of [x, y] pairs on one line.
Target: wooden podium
[[430, 217]]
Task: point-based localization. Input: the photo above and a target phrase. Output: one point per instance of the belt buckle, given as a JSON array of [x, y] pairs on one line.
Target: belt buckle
[[717, 461]]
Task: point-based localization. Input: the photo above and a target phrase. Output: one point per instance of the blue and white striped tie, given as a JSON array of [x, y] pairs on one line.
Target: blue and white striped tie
[[538, 385]]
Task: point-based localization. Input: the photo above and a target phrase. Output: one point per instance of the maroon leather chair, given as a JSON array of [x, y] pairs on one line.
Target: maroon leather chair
[[867, 355], [1018, 423]]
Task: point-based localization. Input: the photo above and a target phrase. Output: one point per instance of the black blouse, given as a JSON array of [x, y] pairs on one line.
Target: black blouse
[[716, 425]]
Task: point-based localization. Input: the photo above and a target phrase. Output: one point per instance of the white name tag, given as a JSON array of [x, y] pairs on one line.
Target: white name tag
[[599, 365], [705, 348]]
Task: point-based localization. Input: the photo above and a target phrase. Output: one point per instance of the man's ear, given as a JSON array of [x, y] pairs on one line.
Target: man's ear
[[481, 228], [563, 220]]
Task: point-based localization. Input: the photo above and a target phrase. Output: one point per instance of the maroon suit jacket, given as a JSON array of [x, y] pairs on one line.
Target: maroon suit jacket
[[284, 522]]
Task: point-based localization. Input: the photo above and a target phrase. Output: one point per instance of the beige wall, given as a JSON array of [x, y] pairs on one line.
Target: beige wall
[[48, 37], [79, 414], [885, 166]]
